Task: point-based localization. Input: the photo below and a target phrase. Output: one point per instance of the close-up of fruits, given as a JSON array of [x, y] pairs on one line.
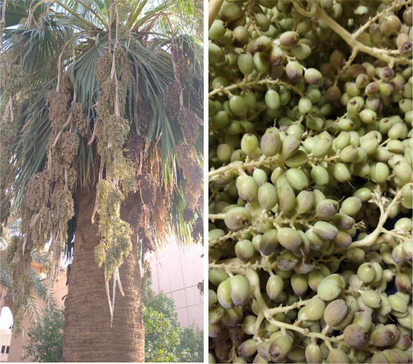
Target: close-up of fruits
[[310, 181]]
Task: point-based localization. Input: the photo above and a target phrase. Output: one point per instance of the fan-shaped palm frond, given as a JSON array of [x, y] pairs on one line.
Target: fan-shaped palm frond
[[26, 294]]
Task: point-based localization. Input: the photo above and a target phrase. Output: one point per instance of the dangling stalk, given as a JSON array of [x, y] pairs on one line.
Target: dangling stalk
[[94, 133], [181, 98], [69, 118], [119, 282], [114, 290], [95, 207], [110, 29], [108, 296], [59, 66], [214, 7], [3, 23]]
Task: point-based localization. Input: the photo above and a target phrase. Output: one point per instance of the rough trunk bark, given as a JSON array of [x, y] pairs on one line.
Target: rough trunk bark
[[88, 336]]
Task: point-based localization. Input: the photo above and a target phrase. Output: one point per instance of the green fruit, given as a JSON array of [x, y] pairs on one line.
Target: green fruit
[[272, 100], [322, 147], [286, 197], [349, 154], [237, 218], [299, 284], [351, 206], [313, 310], [238, 105], [325, 230], [215, 314], [320, 175], [268, 242], [241, 36], [223, 294], [262, 21], [304, 202], [261, 62], [247, 188], [337, 356], [249, 144], [327, 208], [297, 160], [328, 290], [289, 146], [385, 336], [224, 152], [313, 354], [267, 196], [304, 105], [274, 287], [289, 39], [289, 238], [280, 347], [217, 30], [215, 53], [294, 70], [246, 63], [244, 249], [341, 172], [216, 276], [247, 349], [271, 142], [260, 176], [297, 179], [230, 12], [366, 273], [371, 298], [239, 290], [313, 76], [355, 335], [277, 56]]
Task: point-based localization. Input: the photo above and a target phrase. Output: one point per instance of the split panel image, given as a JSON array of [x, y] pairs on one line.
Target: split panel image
[[310, 181], [101, 105]]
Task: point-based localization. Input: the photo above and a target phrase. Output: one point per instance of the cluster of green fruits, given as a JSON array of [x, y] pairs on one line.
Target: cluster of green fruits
[[311, 193]]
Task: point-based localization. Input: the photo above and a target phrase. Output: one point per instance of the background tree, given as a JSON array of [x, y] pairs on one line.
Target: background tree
[[165, 339], [191, 347], [162, 331], [45, 343], [101, 152], [21, 290]]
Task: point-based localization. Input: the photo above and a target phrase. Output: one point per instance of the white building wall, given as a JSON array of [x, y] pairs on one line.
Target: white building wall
[[177, 271]]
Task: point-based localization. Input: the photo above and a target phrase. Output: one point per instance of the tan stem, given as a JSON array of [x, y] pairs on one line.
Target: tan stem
[[94, 133], [236, 166], [255, 83], [214, 7], [396, 4], [255, 284], [2, 24], [381, 54], [69, 118], [370, 239]]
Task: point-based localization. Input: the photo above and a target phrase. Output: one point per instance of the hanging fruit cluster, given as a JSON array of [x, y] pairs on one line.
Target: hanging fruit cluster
[[119, 179]]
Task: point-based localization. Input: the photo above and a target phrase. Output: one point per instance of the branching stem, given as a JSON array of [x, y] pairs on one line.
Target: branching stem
[[350, 39], [246, 84], [371, 239]]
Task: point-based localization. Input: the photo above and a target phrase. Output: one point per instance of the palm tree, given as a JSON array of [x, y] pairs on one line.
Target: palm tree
[[21, 291], [101, 152]]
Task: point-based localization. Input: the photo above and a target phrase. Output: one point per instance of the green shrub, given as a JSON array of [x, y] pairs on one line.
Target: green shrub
[[46, 337]]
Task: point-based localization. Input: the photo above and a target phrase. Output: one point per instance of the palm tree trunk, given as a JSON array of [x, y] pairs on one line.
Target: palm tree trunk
[[88, 336]]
